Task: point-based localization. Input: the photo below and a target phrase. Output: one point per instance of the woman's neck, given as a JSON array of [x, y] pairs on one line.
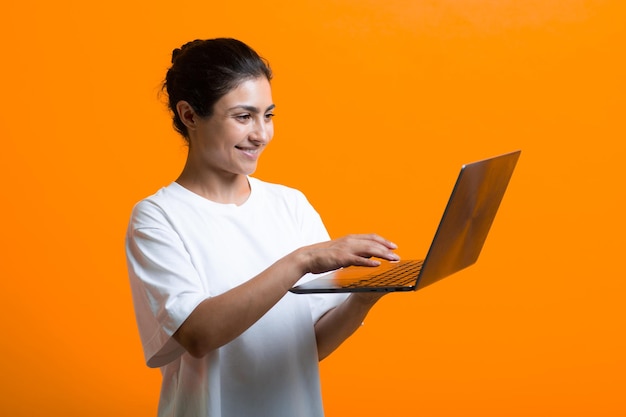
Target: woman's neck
[[224, 189]]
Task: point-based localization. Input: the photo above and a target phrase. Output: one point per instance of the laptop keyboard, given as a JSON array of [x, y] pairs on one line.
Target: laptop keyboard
[[400, 276]]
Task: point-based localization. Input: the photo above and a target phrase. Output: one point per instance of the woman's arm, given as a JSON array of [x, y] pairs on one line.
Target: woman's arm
[[220, 319], [334, 327]]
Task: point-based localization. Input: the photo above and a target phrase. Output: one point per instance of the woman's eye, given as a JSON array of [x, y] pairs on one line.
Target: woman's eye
[[243, 117], [269, 116]]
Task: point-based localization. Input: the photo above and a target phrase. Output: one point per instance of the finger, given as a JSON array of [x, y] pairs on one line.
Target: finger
[[389, 256], [378, 250], [379, 239], [362, 261]]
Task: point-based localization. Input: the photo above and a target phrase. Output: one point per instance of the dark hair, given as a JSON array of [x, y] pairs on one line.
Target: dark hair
[[203, 71]]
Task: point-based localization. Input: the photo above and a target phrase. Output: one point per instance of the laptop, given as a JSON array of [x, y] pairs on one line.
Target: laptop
[[459, 239]]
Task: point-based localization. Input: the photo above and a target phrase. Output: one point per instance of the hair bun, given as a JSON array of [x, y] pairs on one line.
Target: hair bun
[[176, 52]]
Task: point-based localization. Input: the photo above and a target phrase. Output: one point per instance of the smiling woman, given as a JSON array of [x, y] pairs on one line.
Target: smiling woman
[[225, 147], [220, 96], [211, 256]]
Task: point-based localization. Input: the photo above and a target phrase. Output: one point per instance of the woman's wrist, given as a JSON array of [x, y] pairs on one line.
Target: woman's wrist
[[300, 260], [366, 300]]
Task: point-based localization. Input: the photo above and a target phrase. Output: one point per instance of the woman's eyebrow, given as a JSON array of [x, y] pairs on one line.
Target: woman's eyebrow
[[251, 109]]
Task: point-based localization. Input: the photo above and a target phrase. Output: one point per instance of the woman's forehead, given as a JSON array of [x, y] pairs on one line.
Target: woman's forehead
[[254, 93]]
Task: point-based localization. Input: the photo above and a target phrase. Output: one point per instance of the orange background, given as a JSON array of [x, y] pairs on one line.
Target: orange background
[[379, 103]]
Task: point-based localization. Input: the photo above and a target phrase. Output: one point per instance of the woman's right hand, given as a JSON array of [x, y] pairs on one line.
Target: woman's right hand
[[219, 319], [351, 250]]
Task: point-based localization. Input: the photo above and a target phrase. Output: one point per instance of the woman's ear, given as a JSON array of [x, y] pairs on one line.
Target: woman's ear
[[187, 114]]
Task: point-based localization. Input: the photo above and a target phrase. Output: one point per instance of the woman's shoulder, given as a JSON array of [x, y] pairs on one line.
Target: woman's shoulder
[[162, 193], [156, 203]]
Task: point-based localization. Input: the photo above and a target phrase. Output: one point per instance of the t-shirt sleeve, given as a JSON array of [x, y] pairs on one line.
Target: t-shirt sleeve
[[165, 286]]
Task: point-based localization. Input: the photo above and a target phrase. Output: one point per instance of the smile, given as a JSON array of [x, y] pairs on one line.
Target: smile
[[250, 151]]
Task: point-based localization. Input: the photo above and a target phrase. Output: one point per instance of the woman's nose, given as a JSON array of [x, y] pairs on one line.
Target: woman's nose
[[262, 132]]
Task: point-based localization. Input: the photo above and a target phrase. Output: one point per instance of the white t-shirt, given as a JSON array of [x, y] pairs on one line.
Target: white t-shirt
[[182, 248]]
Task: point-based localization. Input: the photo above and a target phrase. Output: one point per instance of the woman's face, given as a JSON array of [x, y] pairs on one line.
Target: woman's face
[[231, 140]]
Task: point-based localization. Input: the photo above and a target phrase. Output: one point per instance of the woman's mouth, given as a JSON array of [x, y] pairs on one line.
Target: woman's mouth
[[251, 152]]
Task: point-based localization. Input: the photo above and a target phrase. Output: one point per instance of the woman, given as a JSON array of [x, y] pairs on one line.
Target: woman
[[212, 256]]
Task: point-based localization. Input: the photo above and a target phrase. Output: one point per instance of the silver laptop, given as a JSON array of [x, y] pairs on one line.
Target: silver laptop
[[458, 241]]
